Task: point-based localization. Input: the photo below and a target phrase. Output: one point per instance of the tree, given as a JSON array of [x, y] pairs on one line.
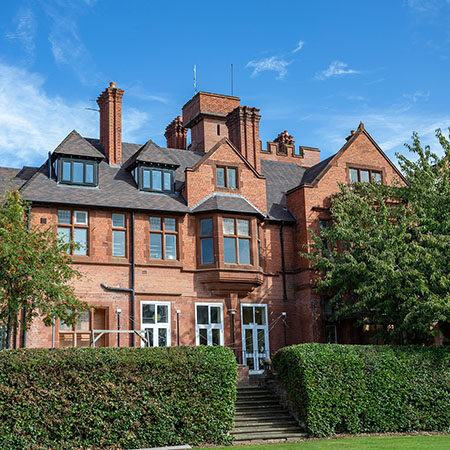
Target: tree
[[386, 261], [35, 271]]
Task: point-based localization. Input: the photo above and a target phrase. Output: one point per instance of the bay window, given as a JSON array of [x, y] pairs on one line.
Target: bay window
[[236, 241], [206, 241]]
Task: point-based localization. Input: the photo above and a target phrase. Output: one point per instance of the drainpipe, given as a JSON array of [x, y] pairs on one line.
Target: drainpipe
[[283, 264], [131, 290], [133, 281]]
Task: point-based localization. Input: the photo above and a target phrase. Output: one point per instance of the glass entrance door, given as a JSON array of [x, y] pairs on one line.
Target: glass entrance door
[[156, 323], [255, 337]]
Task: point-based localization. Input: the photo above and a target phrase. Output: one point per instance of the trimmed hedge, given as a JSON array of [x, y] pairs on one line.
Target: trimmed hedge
[[116, 398], [356, 389]]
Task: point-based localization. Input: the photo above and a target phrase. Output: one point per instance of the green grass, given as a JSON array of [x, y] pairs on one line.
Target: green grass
[[438, 442]]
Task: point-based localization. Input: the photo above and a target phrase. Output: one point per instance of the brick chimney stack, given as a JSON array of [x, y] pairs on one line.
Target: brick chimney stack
[[243, 130], [285, 142], [110, 103], [176, 134]]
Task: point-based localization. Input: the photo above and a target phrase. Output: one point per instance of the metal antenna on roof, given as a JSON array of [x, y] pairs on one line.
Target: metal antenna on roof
[[231, 79], [92, 109], [195, 79]]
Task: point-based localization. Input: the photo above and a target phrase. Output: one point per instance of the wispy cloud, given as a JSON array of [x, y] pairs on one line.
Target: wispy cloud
[[25, 31], [67, 47], [418, 95], [140, 93], [335, 69], [273, 63], [32, 122], [299, 46]]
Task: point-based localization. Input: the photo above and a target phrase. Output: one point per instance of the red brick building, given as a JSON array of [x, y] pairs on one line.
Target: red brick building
[[198, 244]]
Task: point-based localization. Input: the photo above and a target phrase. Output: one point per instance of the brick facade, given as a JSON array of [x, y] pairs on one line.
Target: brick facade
[[276, 276]]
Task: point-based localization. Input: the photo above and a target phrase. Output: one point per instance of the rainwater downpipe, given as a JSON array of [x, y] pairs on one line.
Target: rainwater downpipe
[[283, 264], [24, 328]]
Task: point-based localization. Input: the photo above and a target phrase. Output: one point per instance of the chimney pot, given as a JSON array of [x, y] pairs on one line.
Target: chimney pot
[[112, 84]]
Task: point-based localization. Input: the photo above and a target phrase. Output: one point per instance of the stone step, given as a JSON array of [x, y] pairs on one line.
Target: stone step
[[264, 422], [262, 413], [269, 435], [259, 396], [266, 428], [272, 401], [274, 408]]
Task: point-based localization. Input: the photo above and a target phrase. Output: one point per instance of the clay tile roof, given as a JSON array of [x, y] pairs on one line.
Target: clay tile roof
[[75, 145], [152, 153], [226, 202]]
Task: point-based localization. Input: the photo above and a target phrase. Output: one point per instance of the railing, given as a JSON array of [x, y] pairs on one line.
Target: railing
[[143, 334]]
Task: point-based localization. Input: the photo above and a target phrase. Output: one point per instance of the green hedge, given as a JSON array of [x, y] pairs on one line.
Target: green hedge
[[116, 398], [355, 389]]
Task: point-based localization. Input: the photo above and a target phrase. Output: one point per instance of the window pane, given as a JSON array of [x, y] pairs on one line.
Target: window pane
[[323, 224], [167, 181], [80, 237], [376, 177], [249, 341], [118, 243], [149, 336], [364, 176], [215, 336], [78, 176], [220, 177], [163, 314], [203, 335], [66, 171], [64, 234], [155, 246], [202, 315], [63, 326], [64, 216], [156, 180], [206, 227], [244, 251], [261, 342], [148, 313], [162, 337], [260, 315], [171, 246], [215, 314], [229, 250], [81, 217], [228, 226], [89, 173], [169, 224], [83, 321], [247, 315], [118, 220], [146, 179], [155, 223], [243, 227], [231, 178], [353, 176], [207, 248]]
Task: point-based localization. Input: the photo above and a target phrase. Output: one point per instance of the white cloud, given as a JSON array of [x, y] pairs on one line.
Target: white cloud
[[272, 63], [418, 95], [67, 47], [299, 46], [335, 69], [25, 31], [32, 122]]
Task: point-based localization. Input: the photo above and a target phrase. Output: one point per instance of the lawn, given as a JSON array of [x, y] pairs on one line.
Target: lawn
[[438, 442]]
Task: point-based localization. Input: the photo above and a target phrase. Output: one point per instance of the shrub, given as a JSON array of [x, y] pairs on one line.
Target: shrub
[[355, 389], [116, 398]]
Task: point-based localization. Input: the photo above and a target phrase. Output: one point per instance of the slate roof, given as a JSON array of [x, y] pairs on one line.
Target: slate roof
[[152, 153], [117, 188], [227, 203], [11, 179], [280, 177], [76, 145]]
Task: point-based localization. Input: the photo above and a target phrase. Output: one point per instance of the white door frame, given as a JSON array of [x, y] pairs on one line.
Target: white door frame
[[156, 325], [254, 327], [209, 327]]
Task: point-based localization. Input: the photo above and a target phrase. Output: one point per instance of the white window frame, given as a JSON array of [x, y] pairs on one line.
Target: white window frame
[[157, 326], [209, 327], [75, 222]]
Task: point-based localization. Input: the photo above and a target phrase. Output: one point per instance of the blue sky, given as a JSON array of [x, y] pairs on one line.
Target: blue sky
[[314, 68]]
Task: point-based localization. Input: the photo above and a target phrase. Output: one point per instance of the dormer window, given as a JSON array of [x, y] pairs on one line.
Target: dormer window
[[77, 172], [155, 179]]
